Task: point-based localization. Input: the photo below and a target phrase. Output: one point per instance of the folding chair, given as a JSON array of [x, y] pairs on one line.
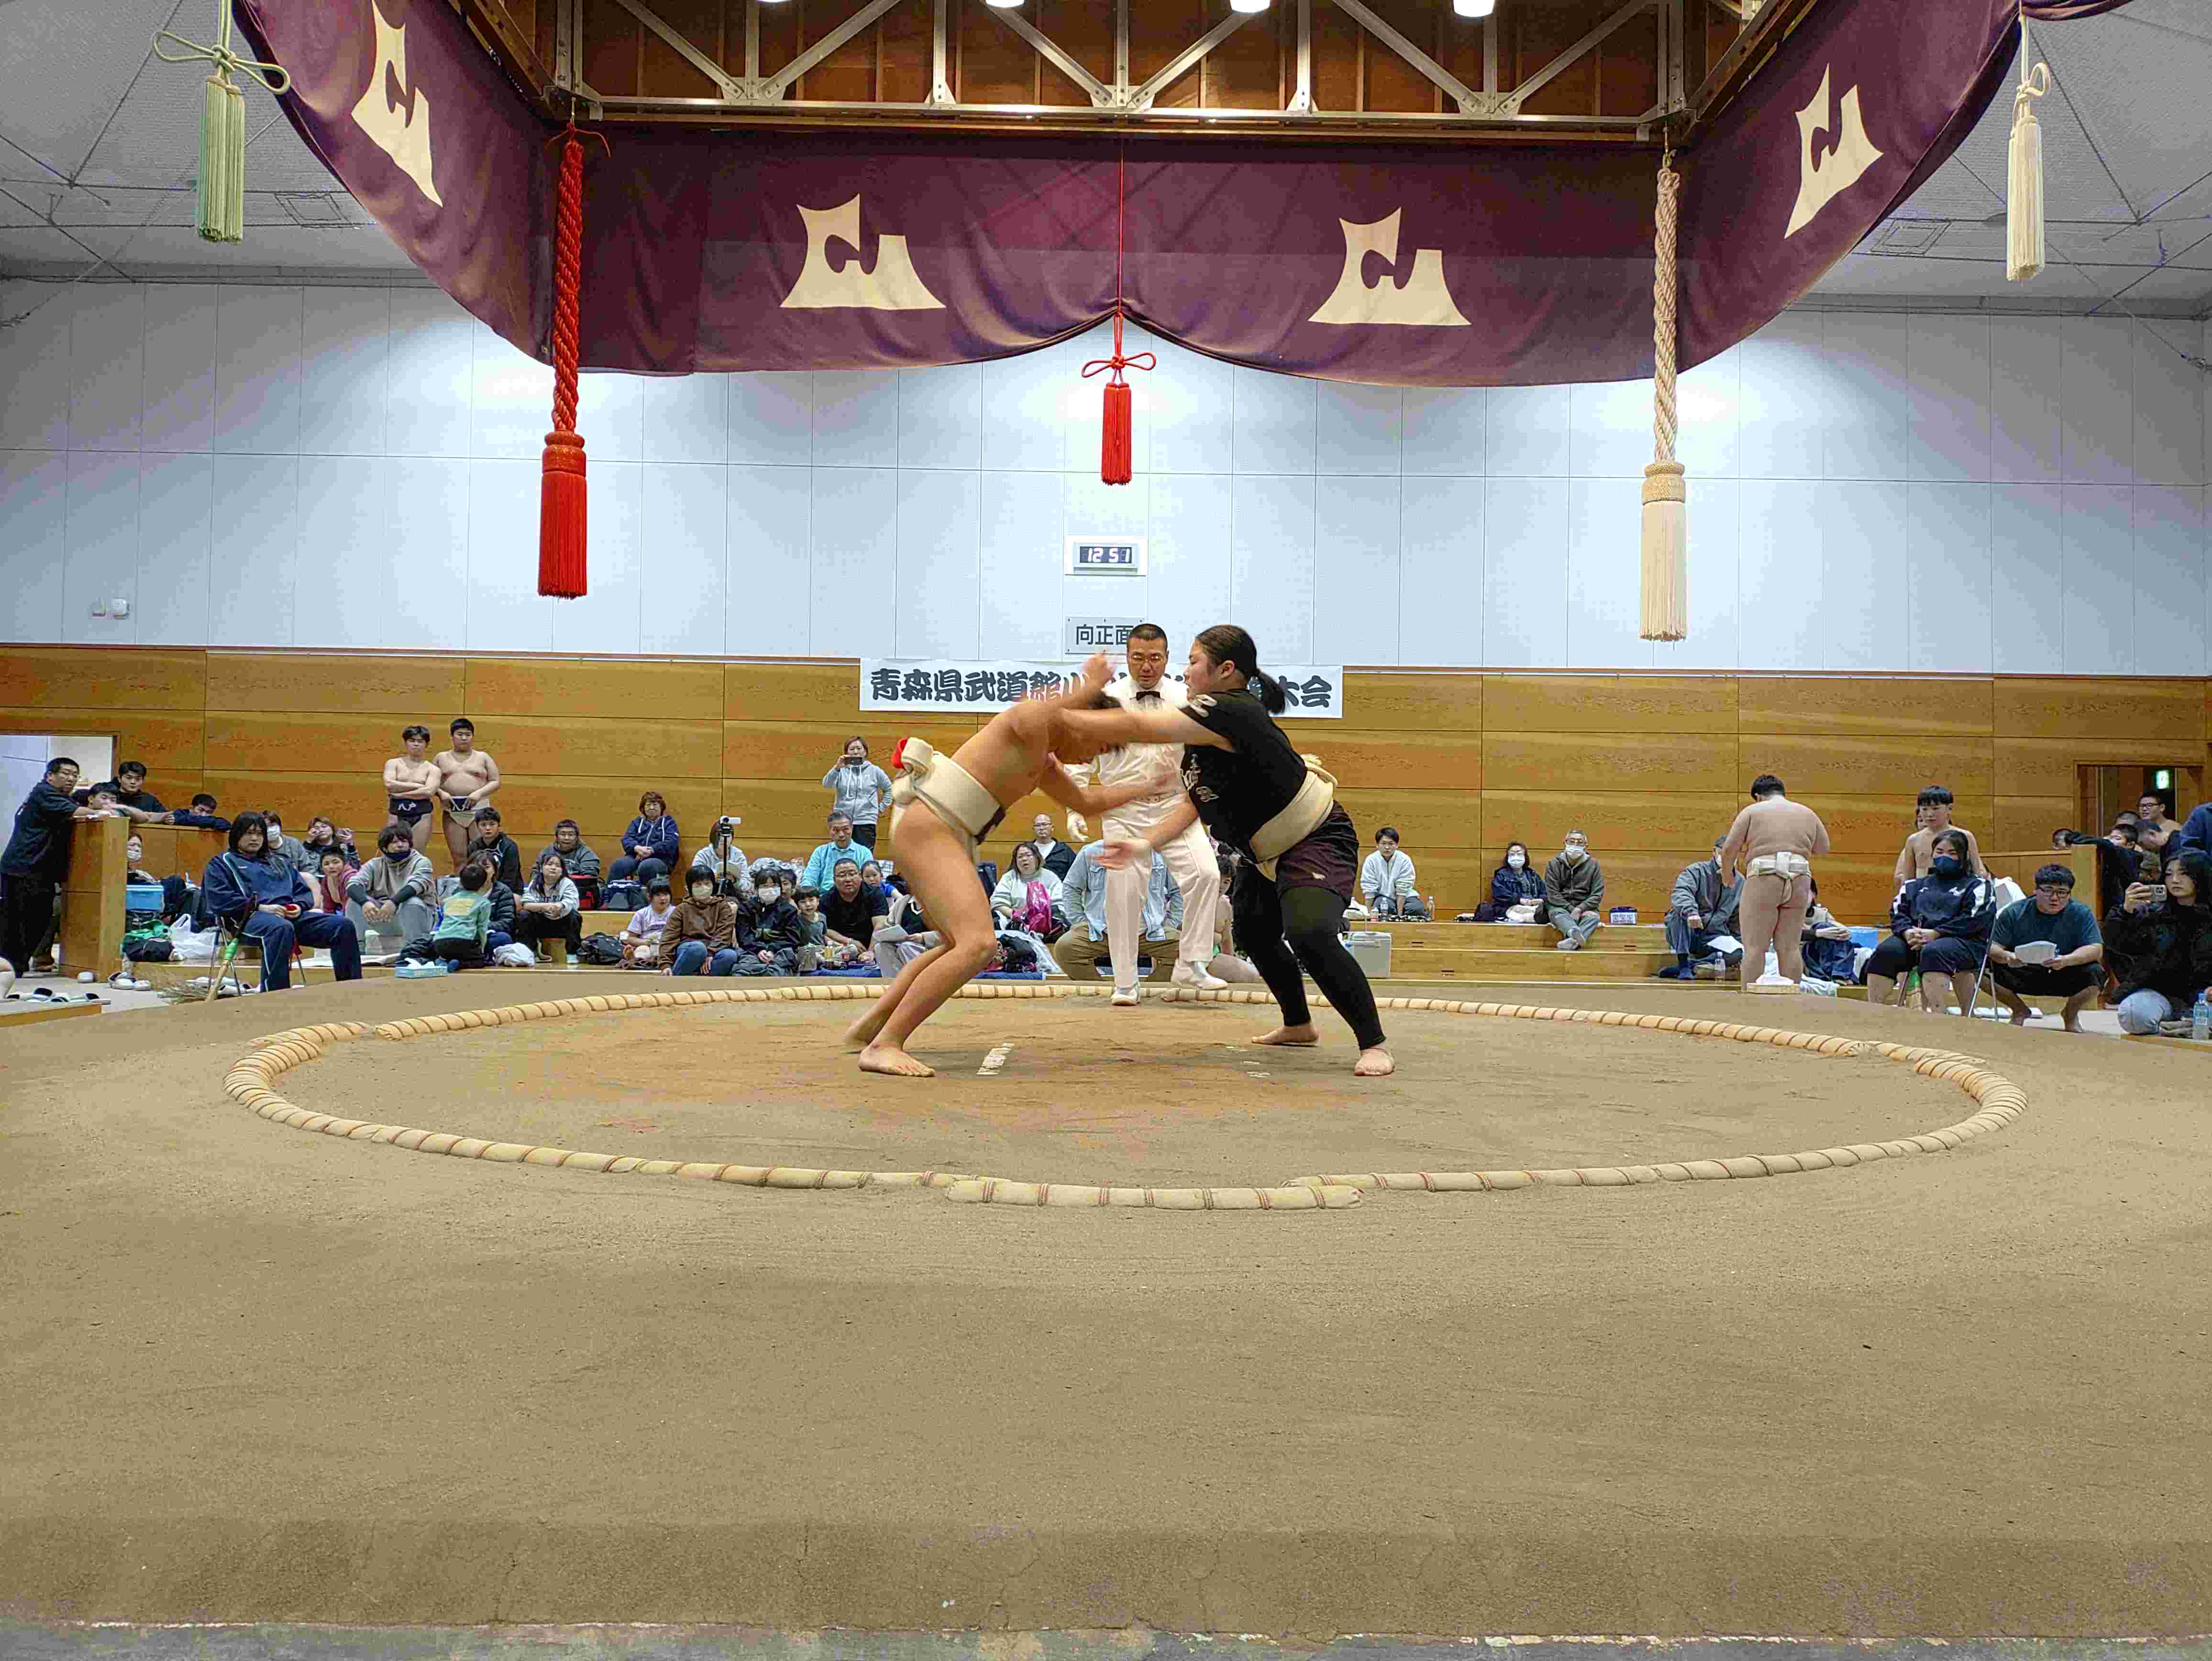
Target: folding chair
[[230, 936]]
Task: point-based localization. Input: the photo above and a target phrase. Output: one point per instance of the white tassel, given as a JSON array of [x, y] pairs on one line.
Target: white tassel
[[2024, 191]]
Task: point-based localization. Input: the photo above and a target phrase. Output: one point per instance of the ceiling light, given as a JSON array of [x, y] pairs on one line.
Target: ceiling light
[[1005, 5], [1247, 5], [1473, 8]]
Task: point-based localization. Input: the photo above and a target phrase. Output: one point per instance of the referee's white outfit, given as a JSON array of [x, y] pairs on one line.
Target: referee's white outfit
[[1189, 857]]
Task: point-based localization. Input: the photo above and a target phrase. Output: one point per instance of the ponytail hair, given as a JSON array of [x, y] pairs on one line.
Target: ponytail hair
[[1225, 642]]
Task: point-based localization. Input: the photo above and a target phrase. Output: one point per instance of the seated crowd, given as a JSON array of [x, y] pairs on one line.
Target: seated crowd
[[2144, 941]]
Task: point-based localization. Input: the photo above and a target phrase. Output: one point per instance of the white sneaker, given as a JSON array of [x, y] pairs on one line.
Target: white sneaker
[[1184, 975], [123, 981], [1570, 944], [1125, 1000]]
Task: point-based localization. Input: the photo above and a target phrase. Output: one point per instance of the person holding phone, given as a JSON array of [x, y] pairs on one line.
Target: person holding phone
[[263, 896], [2161, 936], [859, 790]]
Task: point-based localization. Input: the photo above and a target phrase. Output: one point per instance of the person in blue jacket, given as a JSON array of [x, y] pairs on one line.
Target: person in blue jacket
[[649, 844], [271, 900]]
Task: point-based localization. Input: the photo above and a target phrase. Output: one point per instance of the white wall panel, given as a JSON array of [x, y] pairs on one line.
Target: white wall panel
[[1867, 397], [1946, 614], [179, 390], [2096, 536], [1445, 430], [771, 419], [504, 611], [101, 547], [1357, 429], [1529, 432], [1781, 373], [1017, 578], [33, 535], [937, 597], [856, 418], [1275, 421], [346, 510], [1189, 518], [2096, 408], [424, 607], [683, 418], [2169, 407], [511, 405], [856, 566], [771, 593], [2027, 581], [256, 370], [1784, 555], [176, 531], [1524, 573], [1271, 549], [345, 345], [1443, 598], [686, 542], [1356, 589], [2169, 579], [34, 366], [1864, 540], [1610, 433], [254, 557], [1948, 360], [1716, 581], [609, 617], [1605, 575], [1023, 426], [941, 416], [1709, 417], [610, 416], [107, 366], [430, 374], [2027, 360]]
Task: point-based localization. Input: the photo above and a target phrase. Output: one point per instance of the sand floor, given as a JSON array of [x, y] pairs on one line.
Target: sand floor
[[251, 1373]]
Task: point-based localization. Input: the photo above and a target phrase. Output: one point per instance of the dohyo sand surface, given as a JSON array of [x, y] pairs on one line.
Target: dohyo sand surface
[[257, 1374]]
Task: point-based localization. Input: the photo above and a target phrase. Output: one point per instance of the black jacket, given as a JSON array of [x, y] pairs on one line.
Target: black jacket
[[2168, 950], [1511, 887], [1962, 908], [40, 845], [769, 927]]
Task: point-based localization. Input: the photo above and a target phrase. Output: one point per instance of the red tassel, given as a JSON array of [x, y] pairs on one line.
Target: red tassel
[[562, 519], [1114, 449]]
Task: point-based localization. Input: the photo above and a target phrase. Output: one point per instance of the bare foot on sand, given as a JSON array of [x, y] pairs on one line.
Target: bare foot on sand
[[890, 1058], [1297, 1038], [1373, 1064], [862, 1033]]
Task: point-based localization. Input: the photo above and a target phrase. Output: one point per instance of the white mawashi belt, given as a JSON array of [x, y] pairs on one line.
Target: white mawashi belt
[[949, 789], [1791, 866], [1299, 820]]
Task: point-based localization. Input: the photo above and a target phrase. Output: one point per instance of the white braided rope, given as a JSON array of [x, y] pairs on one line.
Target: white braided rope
[[1663, 316]]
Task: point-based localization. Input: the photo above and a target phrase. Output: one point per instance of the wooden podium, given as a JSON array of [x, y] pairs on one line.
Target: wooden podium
[[91, 934]]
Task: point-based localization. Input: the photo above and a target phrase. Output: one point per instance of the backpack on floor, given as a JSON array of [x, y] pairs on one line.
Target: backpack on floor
[[627, 895], [599, 949]]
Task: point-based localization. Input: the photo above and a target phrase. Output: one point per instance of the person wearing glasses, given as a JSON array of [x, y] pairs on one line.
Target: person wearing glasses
[[2047, 945]]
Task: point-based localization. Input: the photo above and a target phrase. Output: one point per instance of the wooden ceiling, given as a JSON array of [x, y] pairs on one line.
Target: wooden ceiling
[[1549, 69]]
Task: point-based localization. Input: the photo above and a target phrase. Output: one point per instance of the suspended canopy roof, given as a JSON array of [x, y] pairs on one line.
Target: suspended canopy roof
[[1461, 264]]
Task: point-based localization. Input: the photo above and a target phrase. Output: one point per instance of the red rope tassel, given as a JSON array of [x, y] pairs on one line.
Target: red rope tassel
[[561, 512], [1115, 442]]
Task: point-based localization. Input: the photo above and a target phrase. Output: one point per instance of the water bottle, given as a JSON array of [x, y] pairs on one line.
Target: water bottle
[[2200, 1019], [1432, 908]]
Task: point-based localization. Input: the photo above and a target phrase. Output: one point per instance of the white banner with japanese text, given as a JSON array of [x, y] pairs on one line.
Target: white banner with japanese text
[[950, 686]]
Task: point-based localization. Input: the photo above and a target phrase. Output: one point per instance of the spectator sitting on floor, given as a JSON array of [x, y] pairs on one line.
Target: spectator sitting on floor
[[1386, 878], [577, 858], [851, 915], [821, 866], [701, 936], [813, 931], [132, 799], [1574, 892], [178, 893], [1940, 924], [546, 910], [290, 849], [1056, 857], [503, 898], [725, 860], [1932, 813], [1083, 947], [2161, 939], [770, 935], [649, 844], [322, 834], [1824, 946], [1701, 906], [1516, 889], [134, 854], [1026, 896], [331, 883], [2155, 829], [463, 936], [2053, 916], [871, 874], [640, 935], [201, 815], [489, 837], [265, 897], [391, 896]]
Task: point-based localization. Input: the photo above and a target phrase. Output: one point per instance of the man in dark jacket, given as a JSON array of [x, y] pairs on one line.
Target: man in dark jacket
[[491, 837], [35, 863], [266, 896], [1574, 889], [1702, 905]]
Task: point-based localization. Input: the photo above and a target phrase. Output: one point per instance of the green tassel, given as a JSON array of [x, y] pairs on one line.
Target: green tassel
[[223, 163]]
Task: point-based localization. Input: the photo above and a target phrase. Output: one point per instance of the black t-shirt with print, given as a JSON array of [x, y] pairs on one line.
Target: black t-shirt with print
[[1239, 789]]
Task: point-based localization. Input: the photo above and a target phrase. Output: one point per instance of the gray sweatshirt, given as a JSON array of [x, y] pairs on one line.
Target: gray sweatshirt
[[381, 880], [861, 790]]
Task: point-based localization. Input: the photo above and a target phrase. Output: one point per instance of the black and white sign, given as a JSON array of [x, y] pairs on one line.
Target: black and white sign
[[1084, 635], [948, 686], [1111, 556]]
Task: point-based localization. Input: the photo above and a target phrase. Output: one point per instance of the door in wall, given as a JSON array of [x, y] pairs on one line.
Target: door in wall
[[2108, 790]]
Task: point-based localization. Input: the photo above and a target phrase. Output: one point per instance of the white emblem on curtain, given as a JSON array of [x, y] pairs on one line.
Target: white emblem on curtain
[[404, 136], [1852, 153], [892, 286], [1421, 298]]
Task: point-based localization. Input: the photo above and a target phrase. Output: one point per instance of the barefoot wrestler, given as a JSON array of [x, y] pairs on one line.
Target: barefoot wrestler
[[1258, 795], [1775, 841], [942, 806]]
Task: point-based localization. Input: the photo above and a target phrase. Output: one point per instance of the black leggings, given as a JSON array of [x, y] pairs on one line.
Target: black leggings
[[1311, 919]]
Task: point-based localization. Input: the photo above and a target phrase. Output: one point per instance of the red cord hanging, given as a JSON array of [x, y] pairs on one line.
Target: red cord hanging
[[1115, 442], [562, 500]]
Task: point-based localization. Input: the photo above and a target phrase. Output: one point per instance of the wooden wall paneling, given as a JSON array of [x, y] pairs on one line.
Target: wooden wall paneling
[[180, 850], [1424, 818], [601, 808], [404, 689], [1393, 701], [349, 798], [2052, 766], [2169, 710], [2021, 867], [2024, 823], [653, 750], [1625, 761], [806, 692], [788, 750], [1865, 705], [1812, 765], [1416, 762], [170, 744], [101, 678], [1648, 821], [778, 815], [1609, 704], [278, 741], [1857, 887], [643, 692], [1878, 825]]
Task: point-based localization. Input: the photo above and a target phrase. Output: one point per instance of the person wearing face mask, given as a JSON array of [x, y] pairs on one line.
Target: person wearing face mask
[[1774, 842], [1939, 923], [1574, 892], [701, 935], [388, 899], [770, 935], [1515, 884]]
